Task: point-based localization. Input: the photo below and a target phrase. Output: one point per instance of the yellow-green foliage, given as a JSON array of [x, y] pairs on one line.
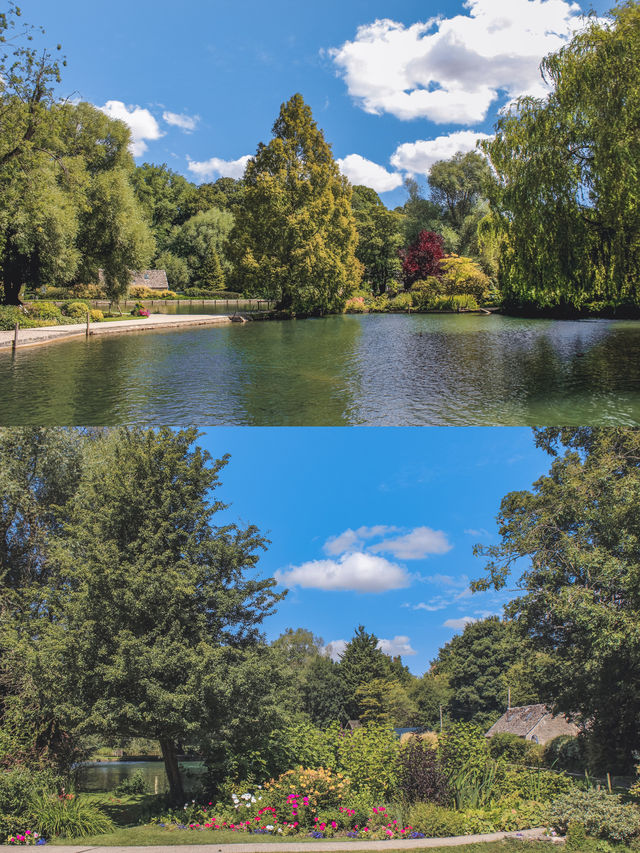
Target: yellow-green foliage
[[77, 310], [462, 275], [355, 305], [368, 757], [140, 291], [96, 315]]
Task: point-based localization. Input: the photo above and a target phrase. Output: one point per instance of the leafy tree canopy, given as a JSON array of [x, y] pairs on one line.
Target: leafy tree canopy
[[458, 183], [295, 235], [579, 600], [567, 196], [148, 602]]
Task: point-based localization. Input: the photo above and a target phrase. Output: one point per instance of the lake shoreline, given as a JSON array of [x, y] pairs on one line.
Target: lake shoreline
[[38, 336]]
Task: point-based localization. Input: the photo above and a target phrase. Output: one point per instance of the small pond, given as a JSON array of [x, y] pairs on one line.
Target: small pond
[[100, 776]]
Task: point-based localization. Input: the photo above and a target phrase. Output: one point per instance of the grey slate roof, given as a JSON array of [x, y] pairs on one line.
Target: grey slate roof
[[519, 721], [155, 279]]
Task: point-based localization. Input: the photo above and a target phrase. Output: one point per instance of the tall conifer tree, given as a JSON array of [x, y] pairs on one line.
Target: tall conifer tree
[[295, 235]]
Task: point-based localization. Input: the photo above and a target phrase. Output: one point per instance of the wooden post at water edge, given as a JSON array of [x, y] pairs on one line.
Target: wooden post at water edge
[[14, 346]]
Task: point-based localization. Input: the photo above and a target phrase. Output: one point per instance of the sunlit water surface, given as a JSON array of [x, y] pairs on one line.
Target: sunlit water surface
[[371, 369]]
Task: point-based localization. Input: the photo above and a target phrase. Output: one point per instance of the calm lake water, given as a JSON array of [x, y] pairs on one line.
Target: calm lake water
[[107, 775], [372, 369]]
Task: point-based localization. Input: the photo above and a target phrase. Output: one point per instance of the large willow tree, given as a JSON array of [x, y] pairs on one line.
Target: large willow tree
[[567, 199], [295, 235]]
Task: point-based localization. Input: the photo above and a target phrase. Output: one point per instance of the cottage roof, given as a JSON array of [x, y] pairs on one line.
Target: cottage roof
[[519, 721], [155, 279]]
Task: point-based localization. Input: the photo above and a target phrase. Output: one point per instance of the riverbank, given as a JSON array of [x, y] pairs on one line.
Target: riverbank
[[52, 334]]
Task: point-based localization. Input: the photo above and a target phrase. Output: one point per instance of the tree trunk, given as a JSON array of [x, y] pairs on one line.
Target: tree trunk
[[11, 293], [170, 757]]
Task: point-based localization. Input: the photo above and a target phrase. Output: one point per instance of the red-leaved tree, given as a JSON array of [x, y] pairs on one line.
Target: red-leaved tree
[[422, 258]]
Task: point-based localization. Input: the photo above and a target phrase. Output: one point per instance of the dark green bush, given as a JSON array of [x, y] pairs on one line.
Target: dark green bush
[[515, 749], [134, 784], [204, 293], [603, 815], [566, 753], [436, 821], [19, 786], [12, 314]]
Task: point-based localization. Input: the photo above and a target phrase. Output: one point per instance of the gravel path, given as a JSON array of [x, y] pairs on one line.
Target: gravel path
[[50, 334]]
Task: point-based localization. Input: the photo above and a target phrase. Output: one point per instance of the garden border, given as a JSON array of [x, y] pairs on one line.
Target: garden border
[[538, 834]]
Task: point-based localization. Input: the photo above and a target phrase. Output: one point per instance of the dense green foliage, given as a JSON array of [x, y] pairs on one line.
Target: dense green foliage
[[475, 663], [566, 201], [578, 599], [294, 240], [124, 613]]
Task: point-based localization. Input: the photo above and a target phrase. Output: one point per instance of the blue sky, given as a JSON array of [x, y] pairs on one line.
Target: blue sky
[[320, 494], [394, 85]]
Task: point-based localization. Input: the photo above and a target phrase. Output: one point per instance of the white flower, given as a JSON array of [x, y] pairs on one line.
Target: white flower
[[246, 796], [259, 798], [269, 827], [259, 787], [247, 805], [253, 799]]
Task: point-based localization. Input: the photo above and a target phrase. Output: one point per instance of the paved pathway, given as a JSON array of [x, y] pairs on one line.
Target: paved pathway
[[306, 846], [49, 334]]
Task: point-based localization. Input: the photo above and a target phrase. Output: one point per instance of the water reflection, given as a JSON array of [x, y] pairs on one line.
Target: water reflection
[[100, 776], [376, 369]]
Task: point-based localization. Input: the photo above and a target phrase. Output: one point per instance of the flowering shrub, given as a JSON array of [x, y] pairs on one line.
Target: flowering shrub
[[139, 310], [29, 837], [297, 795]]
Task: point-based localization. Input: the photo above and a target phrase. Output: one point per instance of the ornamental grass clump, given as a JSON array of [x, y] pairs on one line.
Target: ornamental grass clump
[[69, 816]]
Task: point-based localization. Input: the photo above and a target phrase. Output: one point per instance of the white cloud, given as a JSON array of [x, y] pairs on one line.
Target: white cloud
[[334, 649], [142, 123], [400, 645], [218, 167], [447, 581], [183, 121], [417, 158], [434, 604], [459, 624], [450, 70], [351, 540], [352, 571], [471, 531], [416, 545], [359, 170]]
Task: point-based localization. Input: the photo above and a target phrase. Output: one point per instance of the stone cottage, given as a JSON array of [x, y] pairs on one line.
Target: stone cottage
[[533, 722]]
